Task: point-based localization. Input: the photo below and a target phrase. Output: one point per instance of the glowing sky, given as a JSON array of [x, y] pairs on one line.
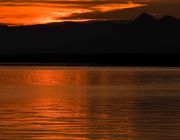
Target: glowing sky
[[26, 12]]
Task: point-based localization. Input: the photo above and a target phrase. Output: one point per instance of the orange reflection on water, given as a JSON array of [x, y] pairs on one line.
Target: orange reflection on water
[[89, 103], [67, 103], [63, 77], [19, 13]]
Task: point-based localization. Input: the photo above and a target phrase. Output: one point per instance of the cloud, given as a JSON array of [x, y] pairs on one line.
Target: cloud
[[44, 11], [157, 10], [116, 6], [34, 12]]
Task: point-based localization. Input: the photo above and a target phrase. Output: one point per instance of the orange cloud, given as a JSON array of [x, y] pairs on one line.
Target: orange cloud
[[117, 6], [24, 13]]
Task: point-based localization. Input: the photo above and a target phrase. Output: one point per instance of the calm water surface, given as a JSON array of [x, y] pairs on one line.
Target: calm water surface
[[89, 103]]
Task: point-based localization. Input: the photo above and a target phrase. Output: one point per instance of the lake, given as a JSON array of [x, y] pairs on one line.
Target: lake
[[124, 103]]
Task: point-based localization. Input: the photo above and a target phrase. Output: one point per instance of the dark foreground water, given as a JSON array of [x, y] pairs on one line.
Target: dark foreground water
[[89, 103]]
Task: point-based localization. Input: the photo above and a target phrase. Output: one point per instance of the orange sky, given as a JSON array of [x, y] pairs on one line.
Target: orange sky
[[27, 12]]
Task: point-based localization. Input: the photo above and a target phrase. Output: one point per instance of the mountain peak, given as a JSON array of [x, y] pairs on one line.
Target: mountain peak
[[145, 15], [145, 18]]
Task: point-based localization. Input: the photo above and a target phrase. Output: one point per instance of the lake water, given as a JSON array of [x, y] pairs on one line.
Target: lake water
[[89, 103]]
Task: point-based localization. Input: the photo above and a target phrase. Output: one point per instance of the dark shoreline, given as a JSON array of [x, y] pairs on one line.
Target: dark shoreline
[[145, 41], [160, 60], [80, 65]]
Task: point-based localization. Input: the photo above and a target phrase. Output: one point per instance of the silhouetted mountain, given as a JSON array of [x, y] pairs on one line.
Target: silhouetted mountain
[[104, 42], [145, 18]]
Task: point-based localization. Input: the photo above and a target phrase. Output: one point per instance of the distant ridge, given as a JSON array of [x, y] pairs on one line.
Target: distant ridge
[[169, 20], [146, 18]]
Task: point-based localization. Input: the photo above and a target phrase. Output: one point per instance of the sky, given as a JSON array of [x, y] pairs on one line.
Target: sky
[[28, 12]]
